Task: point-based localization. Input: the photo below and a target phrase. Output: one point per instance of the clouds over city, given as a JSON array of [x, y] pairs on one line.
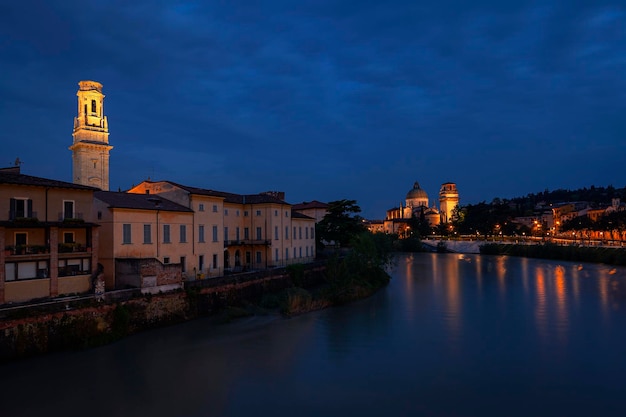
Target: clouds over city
[[325, 100]]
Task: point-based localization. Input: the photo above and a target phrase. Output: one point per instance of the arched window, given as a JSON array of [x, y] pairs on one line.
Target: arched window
[[93, 106]]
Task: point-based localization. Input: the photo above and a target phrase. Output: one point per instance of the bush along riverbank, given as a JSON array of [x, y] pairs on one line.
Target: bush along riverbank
[[610, 256], [357, 274], [297, 289]]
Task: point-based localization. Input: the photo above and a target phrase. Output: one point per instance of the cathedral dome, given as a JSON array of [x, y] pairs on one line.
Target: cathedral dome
[[416, 193]]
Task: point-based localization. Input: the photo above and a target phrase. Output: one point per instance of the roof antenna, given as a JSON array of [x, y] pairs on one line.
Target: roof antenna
[[18, 162]]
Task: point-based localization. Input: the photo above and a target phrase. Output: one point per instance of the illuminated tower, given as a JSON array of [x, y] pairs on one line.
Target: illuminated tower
[[448, 200], [90, 150]]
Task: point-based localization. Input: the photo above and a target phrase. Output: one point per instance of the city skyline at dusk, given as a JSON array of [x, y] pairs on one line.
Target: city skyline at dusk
[[322, 100]]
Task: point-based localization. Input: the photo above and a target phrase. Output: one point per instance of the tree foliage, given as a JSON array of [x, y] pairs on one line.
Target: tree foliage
[[341, 223]]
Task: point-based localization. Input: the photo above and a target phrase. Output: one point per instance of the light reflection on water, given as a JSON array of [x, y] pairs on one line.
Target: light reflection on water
[[457, 335]]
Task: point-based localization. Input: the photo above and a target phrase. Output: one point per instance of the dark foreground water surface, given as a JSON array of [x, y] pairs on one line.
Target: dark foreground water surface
[[452, 335]]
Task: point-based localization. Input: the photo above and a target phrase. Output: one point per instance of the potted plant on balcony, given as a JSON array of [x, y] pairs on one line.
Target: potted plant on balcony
[[8, 250]]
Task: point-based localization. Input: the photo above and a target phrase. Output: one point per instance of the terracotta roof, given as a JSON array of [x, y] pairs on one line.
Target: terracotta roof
[[139, 201], [297, 215], [231, 197], [12, 176], [310, 205]]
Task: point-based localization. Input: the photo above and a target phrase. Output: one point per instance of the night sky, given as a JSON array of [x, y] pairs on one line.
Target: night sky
[[325, 99]]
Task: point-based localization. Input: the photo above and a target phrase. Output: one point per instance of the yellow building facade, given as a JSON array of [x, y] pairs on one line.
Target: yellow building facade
[[48, 238]]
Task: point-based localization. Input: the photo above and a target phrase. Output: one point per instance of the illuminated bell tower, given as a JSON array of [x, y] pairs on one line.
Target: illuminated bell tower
[[448, 200], [90, 150]]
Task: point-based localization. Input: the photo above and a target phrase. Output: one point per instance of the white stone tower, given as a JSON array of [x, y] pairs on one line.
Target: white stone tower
[[90, 150], [448, 200]]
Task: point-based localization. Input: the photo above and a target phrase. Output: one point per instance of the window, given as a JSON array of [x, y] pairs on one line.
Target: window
[[182, 264], [214, 233], [214, 208], [126, 238], [248, 258], [183, 233], [276, 255], [225, 233], [68, 237], [20, 207], [294, 253], [166, 233], [147, 233], [215, 261], [225, 212], [201, 233], [200, 263], [307, 250], [68, 209], [275, 213], [300, 251], [286, 254], [286, 214], [237, 234], [286, 232], [312, 233], [21, 239], [294, 233], [200, 207], [246, 233], [275, 232], [245, 213], [258, 213], [306, 232], [237, 213], [166, 260], [99, 215], [259, 233], [93, 106], [258, 257], [300, 232]]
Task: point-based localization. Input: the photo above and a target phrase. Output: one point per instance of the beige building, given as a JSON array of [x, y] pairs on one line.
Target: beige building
[[242, 232], [315, 209], [90, 149], [48, 239], [146, 241]]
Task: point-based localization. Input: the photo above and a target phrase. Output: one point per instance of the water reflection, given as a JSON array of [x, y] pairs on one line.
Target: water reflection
[[487, 332]]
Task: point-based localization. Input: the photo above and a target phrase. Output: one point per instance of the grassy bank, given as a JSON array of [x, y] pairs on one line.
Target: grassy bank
[[610, 256]]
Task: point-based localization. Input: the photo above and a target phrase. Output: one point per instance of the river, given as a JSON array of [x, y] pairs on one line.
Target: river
[[452, 335]]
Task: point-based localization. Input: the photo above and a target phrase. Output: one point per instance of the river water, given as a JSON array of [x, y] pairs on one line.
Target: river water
[[452, 335]]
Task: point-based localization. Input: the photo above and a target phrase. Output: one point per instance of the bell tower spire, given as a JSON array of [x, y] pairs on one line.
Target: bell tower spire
[[90, 150]]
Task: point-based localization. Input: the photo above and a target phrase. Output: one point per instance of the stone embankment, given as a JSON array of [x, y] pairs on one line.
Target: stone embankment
[[81, 322]]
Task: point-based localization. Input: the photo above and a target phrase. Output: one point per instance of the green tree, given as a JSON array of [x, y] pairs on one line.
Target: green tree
[[342, 222]]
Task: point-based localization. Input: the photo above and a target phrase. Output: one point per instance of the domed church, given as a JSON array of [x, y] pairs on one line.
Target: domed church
[[416, 204]]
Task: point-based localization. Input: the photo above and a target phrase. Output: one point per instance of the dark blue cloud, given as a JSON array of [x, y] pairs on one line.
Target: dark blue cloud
[[325, 99]]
